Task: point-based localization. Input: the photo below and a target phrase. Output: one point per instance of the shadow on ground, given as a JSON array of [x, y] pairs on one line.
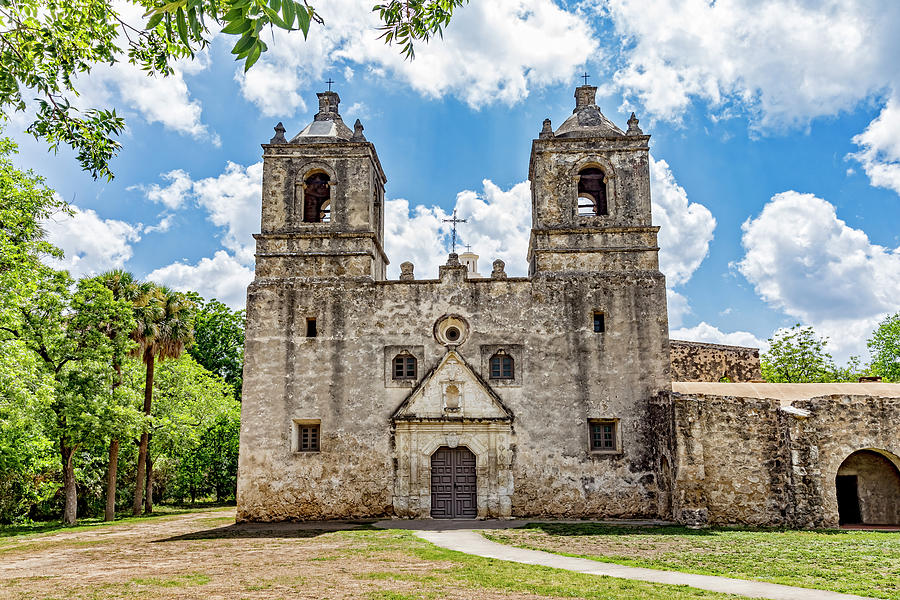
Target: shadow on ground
[[268, 530]]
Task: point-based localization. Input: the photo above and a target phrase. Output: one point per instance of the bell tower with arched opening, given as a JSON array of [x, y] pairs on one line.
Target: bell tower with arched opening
[[323, 201], [590, 189]]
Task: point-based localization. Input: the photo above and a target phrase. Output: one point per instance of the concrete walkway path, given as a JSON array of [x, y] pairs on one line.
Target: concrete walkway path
[[472, 542]]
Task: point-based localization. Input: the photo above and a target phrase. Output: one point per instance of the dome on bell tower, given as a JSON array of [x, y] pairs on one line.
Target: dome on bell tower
[[327, 125], [586, 119]]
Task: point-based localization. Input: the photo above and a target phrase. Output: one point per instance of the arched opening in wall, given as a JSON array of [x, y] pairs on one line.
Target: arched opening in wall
[[868, 489], [453, 483], [592, 192], [317, 198]]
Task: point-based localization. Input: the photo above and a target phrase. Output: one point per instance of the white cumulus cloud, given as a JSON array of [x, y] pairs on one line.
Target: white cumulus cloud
[[801, 258], [164, 100], [686, 228], [879, 152], [231, 199], [220, 277], [784, 61], [495, 51], [91, 243], [704, 332]]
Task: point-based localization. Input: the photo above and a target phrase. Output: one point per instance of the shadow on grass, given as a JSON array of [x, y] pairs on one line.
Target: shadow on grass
[[268, 530], [38, 527], [586, 529]]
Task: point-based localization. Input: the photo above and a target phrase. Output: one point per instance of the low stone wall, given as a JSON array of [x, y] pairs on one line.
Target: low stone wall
[[699, 361], [761, 461]]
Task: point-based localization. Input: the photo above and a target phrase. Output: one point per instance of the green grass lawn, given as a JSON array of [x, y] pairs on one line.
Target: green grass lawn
[[866, 563]]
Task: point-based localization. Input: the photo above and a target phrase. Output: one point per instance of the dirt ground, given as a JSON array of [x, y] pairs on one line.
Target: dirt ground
[[203, 555]]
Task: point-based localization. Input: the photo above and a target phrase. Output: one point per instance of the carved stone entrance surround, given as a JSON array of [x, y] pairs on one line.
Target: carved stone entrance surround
[[479, 421]]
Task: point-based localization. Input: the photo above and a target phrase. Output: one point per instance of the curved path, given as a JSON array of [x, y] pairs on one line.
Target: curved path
[[472, 542]]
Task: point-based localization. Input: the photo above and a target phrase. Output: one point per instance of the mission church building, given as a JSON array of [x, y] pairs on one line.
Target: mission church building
[[492, 396]]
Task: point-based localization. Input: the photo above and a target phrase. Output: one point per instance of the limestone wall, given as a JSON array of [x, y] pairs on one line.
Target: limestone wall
[[760, 461], [566, 374], [699, 361]]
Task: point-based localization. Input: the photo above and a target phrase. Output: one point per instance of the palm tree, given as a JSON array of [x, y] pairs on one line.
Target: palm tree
[[165, 326], [123, 286]]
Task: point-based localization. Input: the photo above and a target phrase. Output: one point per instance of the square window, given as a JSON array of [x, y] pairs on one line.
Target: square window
[[599, 322], [307, 438], [603, 435]]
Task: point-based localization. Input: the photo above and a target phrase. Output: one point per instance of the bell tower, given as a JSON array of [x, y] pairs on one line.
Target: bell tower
[[590, 189], [322, 202]]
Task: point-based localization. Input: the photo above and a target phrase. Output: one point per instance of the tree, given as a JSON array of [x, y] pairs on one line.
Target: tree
[[46, 44], [66, 330], [219, 341], [125, 287], [885, 348], [797, 355], [164, 328], [196, 423]]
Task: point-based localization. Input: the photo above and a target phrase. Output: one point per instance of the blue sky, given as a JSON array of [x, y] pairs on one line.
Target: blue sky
[[776, 147]]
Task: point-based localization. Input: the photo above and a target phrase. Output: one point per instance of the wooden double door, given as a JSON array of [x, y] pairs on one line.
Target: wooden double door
[[453, 484]]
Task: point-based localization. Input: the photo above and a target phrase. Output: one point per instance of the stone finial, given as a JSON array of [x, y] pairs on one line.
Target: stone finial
[[406, 269], [546, 130], [358, 132], [328, 106], [453, 260], [279, 135], [498, 271], [585, 95], [633, 128]]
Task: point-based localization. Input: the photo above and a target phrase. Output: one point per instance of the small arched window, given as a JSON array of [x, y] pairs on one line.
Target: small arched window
[[317, 198], [502, 366], [592, 192], [404, 366]]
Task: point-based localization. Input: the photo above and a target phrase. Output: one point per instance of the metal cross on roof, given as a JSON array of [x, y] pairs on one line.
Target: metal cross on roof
[[468, 247], [585, 77], [454, 220], [329, 82]]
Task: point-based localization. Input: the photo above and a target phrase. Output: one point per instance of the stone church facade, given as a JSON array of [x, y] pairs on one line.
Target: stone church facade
[[466, 396]]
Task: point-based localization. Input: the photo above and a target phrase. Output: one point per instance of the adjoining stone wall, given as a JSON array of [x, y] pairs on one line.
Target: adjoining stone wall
[[759, 461], [699, 361]]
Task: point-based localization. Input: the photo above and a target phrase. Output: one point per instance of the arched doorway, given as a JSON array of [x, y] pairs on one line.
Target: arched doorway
[[453, 483], [868, 489]]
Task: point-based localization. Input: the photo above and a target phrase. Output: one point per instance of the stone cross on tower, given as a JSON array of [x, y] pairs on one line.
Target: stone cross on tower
[[454, 220]]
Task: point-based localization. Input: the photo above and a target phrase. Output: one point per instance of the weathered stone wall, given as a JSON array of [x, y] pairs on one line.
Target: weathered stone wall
[[764, 462], [568, 375], [699, 361]]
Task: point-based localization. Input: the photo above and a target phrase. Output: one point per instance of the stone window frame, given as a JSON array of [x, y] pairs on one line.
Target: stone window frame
[[390, 352], [306, 171], [617, 435], [516, 352], [297, 425], [594, 162]]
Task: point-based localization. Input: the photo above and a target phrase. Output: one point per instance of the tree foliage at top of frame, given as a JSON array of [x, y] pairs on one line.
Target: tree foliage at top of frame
[[45, 45]]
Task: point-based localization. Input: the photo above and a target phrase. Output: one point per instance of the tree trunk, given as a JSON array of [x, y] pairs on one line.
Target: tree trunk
[[110, 514], [71, 507], [149, 357], [148, 501]]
